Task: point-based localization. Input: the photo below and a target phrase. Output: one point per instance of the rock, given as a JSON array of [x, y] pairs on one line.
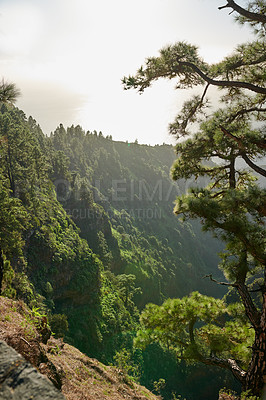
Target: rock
[[19, 380]]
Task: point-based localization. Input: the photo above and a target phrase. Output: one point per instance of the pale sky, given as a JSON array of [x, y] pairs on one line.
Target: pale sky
[[68, 58]]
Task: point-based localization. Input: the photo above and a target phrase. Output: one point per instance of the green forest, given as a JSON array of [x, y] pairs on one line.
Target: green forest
[[149, 258]]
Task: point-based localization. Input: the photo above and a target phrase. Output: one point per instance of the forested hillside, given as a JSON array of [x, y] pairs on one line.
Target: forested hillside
[[121, 197], [88, 236]]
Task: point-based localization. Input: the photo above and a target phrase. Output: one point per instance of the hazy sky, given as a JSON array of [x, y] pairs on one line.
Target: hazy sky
[[68, 58]]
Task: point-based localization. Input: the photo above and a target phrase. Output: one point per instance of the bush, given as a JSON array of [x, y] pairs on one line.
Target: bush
[[59, 324]]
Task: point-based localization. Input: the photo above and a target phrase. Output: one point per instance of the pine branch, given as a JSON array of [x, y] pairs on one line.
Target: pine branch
[[261, 289], [243, 154], [201, 169], [245, 13], [251, 164], [194, 109], [242, 63], [248, 245], [251, 311], [232, 84], [229, 364], [246, 111], [219, 283]]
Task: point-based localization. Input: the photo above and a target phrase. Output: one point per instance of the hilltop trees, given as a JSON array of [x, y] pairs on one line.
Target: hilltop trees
[[8, 94], [232, 206]]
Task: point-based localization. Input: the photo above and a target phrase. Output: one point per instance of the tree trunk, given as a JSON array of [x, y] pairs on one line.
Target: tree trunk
[[256, 375], [232, 173]]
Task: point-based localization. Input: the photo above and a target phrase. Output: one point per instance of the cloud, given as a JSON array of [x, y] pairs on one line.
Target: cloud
[[68, 58], [21, 26]]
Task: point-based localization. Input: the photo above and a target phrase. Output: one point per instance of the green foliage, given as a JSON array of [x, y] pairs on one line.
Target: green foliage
[[34, 319], [59, 324], [8, 276], [168, 65], [159, 385], [197, 327], [116, 323], [14, 220], [8, 92], [229, 394], [24, 288], [247, 395], [127, 289], [123, 360], [50, 260], [235, 216]]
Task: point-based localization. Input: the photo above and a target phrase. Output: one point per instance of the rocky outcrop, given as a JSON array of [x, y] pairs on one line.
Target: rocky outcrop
[[19, 380]]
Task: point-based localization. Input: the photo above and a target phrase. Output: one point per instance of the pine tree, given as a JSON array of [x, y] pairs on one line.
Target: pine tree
[[8, 92], [232, 205]]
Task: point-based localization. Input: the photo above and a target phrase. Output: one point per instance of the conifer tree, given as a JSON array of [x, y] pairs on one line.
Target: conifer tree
[[8, 92], [232, 206]]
